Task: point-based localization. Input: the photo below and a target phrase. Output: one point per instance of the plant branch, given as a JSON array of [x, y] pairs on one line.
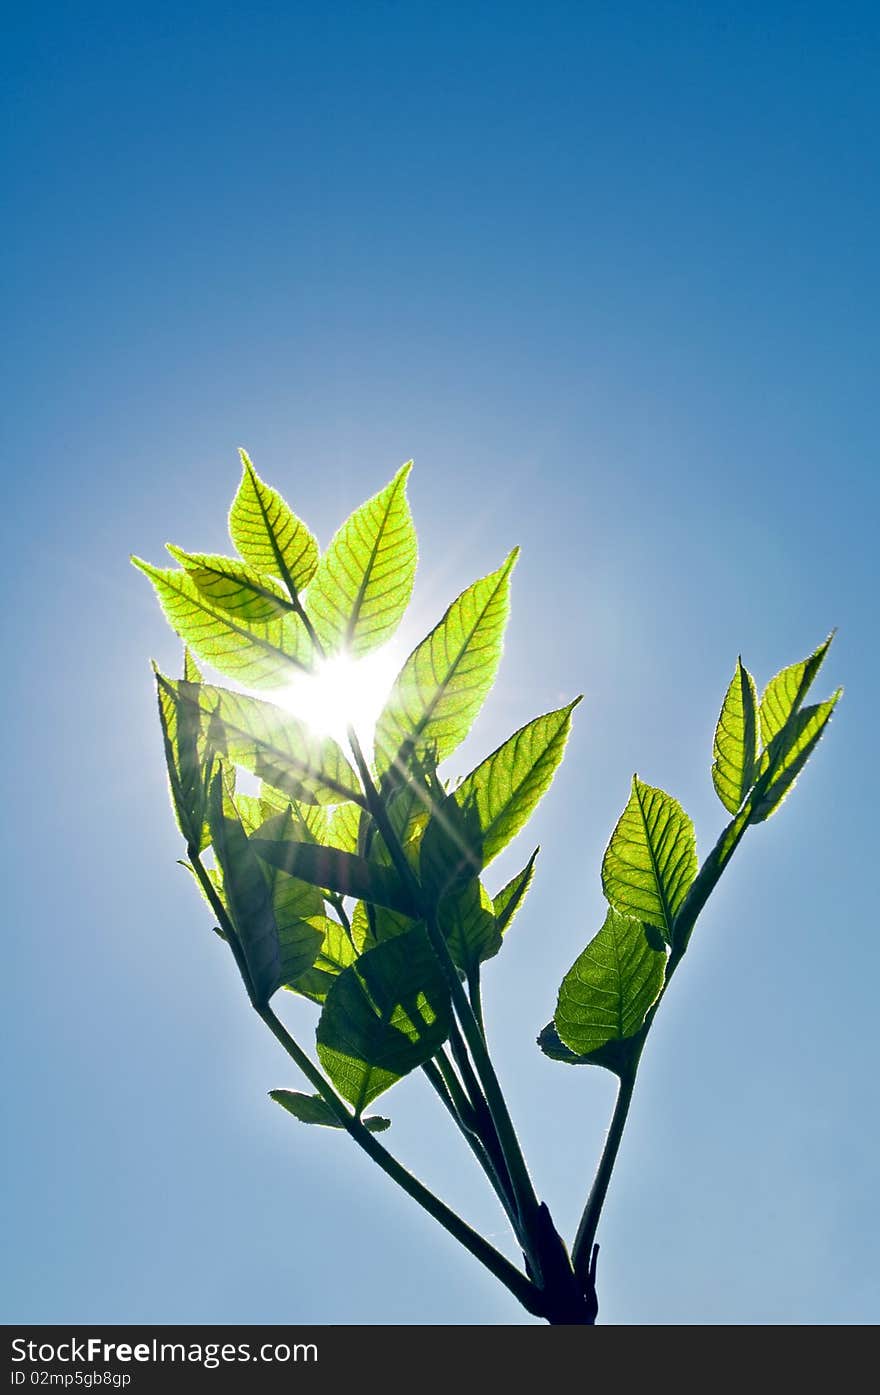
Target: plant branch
[[527, 1203], [520, 1286], [581, 1255], [464, 1122], [508, 1274]]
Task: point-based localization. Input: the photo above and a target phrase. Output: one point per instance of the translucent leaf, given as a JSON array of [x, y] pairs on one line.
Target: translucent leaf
[[336, 953], [341, 872], [468, 922], [184, 740], [312, 1109], [789, 752], [784, 694], [365, 578], [651, 859], [370, 925], [233, 586], [270, 538], [190, 668], [247, 893], [344, 828], [450, 853], [383, 1017], [605, 996], [509, 899], [309, 823], [260, 656], [445, 680], [274, 746], [506, 786], [297, 905], [735, 751]]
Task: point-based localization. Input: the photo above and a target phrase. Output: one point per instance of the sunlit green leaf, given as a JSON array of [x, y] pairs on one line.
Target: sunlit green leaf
[[509, 899], [784, 694], [370, 925], [605, 996], [310, 822], [248, 895], [335, 954], [344, 827], [506, 786], [342, 872], [276, 747], [270, 538], [383, 1017], [298, 906], [365, 578], [191, 670], [651, 859], [735, 751], [450, 854], [468, 922], [311, 1109], [445, 680], [233, 587], [259, 655], [184, 740], [789, 752]]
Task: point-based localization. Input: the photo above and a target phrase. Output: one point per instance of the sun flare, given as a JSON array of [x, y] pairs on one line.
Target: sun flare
[[343, 692]]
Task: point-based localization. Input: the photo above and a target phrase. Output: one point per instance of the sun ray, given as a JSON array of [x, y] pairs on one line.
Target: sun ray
[[343, 692]]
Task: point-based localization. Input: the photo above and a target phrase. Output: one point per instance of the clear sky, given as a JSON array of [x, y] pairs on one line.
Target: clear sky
[[609, 273]]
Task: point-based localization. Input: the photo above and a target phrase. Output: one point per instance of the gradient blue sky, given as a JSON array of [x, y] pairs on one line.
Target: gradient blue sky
[[608, 272]]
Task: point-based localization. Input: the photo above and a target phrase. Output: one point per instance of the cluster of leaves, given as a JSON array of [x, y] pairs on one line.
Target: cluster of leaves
[[333, 878], [650, 877]]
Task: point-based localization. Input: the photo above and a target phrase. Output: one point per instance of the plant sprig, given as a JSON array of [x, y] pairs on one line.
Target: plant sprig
[[356, 880]]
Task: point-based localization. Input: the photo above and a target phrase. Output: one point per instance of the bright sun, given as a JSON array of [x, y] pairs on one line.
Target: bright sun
[[343, 692]]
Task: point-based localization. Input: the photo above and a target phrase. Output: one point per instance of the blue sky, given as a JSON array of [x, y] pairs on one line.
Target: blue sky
[[608, 272]]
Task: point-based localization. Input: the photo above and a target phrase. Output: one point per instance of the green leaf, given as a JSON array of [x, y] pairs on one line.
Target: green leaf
[[339, 871], [506, 786], [310, 822], [370, 925], [445, 680], [298, 906], [344, 829], [248, 895], [365, 578], [553, 1046], [784, 694], [606, 995], [260, 656], [233, 586], [450, 853], [651, 859], [335, 955], [509, 899], [184, 742], [190, 668], [312, 1109], [789, 752], [273, 745], [383, 1017], [735, 750], [468, 923], [270, 538]]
